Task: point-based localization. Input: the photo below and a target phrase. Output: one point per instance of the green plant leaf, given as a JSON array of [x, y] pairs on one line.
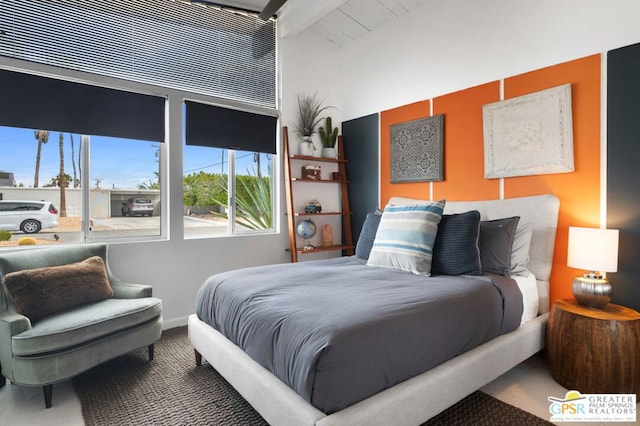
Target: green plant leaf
[[328, 134], [253, 201], [309, 110]]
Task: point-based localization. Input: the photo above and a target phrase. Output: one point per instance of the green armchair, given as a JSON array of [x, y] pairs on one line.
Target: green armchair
[[63, 344]]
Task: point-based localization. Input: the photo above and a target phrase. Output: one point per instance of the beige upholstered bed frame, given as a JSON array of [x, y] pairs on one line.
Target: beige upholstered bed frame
[[415, 400]]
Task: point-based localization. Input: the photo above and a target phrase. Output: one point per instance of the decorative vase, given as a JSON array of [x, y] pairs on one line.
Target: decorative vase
[[329, 153], [307, 147], [327, 236]]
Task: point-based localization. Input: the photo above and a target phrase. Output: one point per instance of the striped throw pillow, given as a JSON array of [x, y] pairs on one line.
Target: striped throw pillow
[[406, 236]]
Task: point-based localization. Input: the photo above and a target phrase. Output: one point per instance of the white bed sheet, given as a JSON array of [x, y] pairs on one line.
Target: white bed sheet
[[530, 297]]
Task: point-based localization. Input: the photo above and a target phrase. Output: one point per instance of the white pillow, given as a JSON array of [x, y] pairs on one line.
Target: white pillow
[[520, 249], [403, 201]]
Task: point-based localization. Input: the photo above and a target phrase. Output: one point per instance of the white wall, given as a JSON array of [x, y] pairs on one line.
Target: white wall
[[309, 64], [177, 268], [455, 44]]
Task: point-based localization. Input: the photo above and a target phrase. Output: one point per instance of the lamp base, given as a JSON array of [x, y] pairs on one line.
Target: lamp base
[[592, 291]]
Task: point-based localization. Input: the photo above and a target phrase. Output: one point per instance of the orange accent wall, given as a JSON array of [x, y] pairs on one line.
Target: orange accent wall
[[464, 146], [579, 191], [387, 119]]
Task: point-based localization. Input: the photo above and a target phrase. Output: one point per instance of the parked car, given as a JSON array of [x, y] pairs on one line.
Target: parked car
[[137, 205], [27, 216]]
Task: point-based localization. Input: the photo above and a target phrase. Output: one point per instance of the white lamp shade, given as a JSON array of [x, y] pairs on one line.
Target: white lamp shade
[[593, 249]]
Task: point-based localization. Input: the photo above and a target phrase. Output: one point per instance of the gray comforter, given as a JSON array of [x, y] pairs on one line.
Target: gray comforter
[[337, 331]]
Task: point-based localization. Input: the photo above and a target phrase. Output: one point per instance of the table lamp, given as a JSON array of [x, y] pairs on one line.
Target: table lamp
[[592, 249]]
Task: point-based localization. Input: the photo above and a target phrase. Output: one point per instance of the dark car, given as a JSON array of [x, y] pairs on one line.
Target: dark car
[[137, 206]]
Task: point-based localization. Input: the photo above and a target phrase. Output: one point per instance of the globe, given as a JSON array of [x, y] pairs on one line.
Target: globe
[[306, 229]]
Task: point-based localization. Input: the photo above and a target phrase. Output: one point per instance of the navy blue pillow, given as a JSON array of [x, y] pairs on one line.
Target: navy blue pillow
[[368, 234], [456, 250]]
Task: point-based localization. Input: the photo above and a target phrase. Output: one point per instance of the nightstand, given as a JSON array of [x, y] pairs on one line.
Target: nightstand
[[594, 350]]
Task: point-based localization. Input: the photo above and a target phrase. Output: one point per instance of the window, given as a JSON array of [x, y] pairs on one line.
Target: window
[[106, 147], [117, 169], [253, 191], [228, 170], [125, 193], [205, 183], [207, 187]]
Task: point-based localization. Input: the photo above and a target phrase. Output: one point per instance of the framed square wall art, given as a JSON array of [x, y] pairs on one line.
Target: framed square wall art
[[417, 150], [529, 135]]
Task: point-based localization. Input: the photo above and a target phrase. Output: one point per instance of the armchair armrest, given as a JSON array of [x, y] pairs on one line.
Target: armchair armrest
[[122, 290], [11, 323]]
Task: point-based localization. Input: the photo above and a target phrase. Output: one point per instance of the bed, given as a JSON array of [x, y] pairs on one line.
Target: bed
[[418, 398]]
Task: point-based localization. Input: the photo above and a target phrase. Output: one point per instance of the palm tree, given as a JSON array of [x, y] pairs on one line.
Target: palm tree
[[80, 160], [42, 136], [62, 179], [151, 185], [75, 181], [55, 181]]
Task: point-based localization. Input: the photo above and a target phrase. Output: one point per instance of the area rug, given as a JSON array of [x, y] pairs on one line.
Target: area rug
[[171, 391]]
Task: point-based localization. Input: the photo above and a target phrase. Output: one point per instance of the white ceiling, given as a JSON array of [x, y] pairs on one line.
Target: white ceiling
[[340, 21], [354, 18]]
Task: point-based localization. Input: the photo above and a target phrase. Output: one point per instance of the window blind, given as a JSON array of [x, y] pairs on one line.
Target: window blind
[[36, 102], [185, 46], [213, 126]]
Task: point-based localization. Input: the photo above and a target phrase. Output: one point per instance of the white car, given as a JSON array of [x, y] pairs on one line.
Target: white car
[[27, 216], [137, 205]]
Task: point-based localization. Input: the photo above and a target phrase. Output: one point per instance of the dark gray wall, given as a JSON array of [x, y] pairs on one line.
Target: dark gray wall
[[623, 169], [360, 137]]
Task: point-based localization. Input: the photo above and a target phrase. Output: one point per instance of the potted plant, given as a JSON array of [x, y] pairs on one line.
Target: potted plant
[[328, 136], [309, 110]]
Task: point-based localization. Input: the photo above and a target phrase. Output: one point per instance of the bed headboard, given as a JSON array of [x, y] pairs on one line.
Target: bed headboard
[[541, 211]]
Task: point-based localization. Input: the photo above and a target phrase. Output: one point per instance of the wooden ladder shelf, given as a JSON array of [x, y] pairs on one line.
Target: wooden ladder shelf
[[347, 246]]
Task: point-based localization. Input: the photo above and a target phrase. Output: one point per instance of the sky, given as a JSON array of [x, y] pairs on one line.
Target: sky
[[115, 163]]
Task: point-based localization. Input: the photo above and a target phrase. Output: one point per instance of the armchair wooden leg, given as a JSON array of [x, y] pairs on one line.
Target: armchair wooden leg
[[151, 351], [47, 390], [198, 358]]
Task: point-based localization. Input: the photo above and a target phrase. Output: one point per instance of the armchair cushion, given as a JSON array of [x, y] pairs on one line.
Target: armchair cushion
[[40, 292], [85, 324]]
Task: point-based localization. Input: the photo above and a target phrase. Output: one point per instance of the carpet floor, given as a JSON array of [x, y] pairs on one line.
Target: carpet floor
[[172, 391]]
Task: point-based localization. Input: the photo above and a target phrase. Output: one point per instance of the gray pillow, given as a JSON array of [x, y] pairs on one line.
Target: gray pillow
[[456, 250], [496, 243], [520, 249], [368, 234]]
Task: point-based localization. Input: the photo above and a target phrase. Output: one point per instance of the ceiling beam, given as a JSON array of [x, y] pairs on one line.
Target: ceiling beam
[[271, 8]]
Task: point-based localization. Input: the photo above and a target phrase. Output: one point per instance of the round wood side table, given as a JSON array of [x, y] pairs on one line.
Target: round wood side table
[[594, 350]]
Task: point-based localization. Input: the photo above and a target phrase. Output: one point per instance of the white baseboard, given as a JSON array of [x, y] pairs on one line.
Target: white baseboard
[[175, 322]]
